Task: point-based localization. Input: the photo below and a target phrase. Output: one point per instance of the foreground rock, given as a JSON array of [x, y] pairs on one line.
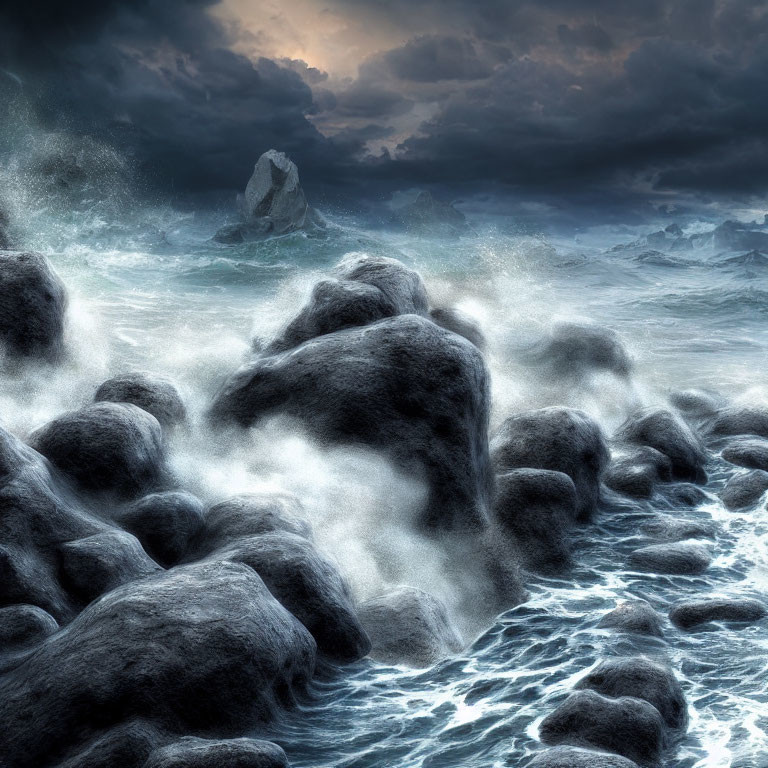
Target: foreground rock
[[113, 447], [669, 528], [745, 490], [127, 745], [634, 616], [627, 726], [686, 558], [739, 420], [154, 394], [23, 625], [403, 386], [558, 439], [573, 757], [695, 612], [537, 508], [201, 648], [636, 471], [751, 453], [33, 304], [409, 626], [668, 434], [205, 753]]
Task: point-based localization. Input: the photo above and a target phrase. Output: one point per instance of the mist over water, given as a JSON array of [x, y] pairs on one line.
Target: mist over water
[[150, 290]]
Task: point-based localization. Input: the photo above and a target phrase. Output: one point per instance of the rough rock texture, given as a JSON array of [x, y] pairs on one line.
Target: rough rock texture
[[669, 528], [634, 616], [697, 402], [636, 471], [573, 757], [667, 433], [739, 420], [627, 726], [575, 350], [114, 447], [22, 625], [747, 452], [33, 304], [691, 613], [745, 490], [102, 562], [640, 678], [684, 558], [127, 745], [559, 439], [685, 494], [404, 386], [165, 523], [409, 626], [309, 586], [154, 394], [192, 752], [455, 320], [537, 507], [368, 288], [203, 647]]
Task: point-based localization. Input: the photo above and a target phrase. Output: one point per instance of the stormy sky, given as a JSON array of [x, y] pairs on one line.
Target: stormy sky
[[582, 100]]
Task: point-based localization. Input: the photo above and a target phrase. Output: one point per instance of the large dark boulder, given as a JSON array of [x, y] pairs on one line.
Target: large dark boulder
[[409, 626], [537, 508], [670, 528], [33, 304], [745, 490], [22, 625], [683, 558], [692, 613], [640, 678], [154, 394], [636, 470], [667, 433], [309, 586], [112, 447], [192, 752], [747, 452], [574, 757], [559, 439], [200, 648], [403, 386], [627, 726], [127, 745], [739, 420], [634, 616], [165, 523]]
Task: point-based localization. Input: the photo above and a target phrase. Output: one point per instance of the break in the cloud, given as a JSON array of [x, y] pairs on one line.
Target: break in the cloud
[[571, 98]]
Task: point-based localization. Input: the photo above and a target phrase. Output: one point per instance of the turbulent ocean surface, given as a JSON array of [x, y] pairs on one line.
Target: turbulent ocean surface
[[149, 289]]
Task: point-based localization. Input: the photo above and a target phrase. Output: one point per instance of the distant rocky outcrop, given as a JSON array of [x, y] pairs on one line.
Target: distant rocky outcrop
[[273, 203], [427, 215]]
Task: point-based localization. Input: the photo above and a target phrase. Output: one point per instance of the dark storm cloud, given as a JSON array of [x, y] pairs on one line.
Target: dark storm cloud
[[434, 58]]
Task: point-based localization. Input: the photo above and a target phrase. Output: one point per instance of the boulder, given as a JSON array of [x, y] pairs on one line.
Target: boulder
[[575, 350], [455, 320], [634, 616], [33, 304], [402, 386], [23, 625], [669, 528], [667, 433], [558, 439], [200, 648], [113, 447], [737, 236], [166, 524], [537, 508], [154, 394], [697, 403], [574, 757], [192, 752], [684, 494], [691, 613], [627, 726], [745, 490], [640, 678], [747, 452], [102, 562], [637, 470], [309, 586], [739, 420], [683, 558], [409, 626], [127, 745]]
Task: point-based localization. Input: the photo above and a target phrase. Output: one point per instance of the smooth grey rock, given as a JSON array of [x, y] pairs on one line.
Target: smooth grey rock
[[640, 678], [747, 452], [192, 752], [635, 616], [409, 626], [636, 471], [114, 447], [558, 439], [22, 625], [574, 757], [683, 558], [627, 726], [166, 524], [33, 303], [745, 490], [739, 420], [667, 433], [669, 528], [102, 562], [403, 386], [200, 648], [691, 613], [154, 394], [309, 586], [537, 507], [455, 320]]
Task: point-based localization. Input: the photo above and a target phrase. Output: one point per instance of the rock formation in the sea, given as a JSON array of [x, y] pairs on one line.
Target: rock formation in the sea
[[636, 470], [274, 203], [426, 215], [683, 557], [749, 452], [692, 613], [635, 617], [745, 490], [33, 304]]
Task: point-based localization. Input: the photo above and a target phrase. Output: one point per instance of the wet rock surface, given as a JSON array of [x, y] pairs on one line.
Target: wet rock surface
[[690, 614], [684, 558], [635, 616], [745, 490], [157, 395]]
